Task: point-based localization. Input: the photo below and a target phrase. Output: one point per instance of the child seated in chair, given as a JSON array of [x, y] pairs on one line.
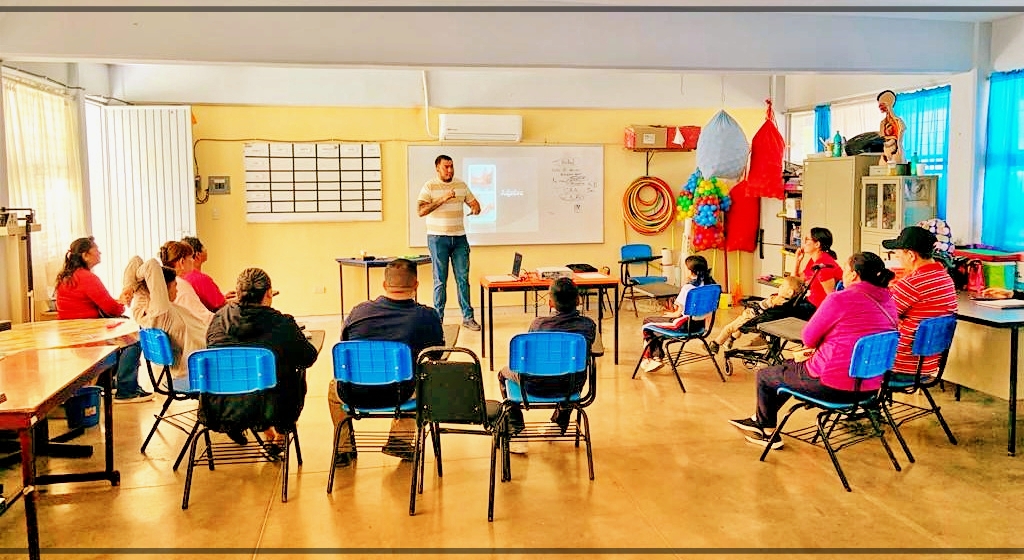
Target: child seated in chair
[[789, 288], [696, 274]]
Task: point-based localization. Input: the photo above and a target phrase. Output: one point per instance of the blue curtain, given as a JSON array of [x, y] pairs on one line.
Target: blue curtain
[[1002, 219], [822, 126], [926, 114]]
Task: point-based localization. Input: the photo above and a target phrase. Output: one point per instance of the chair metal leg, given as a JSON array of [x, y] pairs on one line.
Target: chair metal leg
[[895, 428], [777, 434], [416, 458], [672, 362], [713, 359], [209, 448], [288, 439], [881, 435], [184, 448], [586, 438], [334, 455], [298, 448], [159, 418], [579, 414], [938, 414], [647, 346], [188, 473], [435, 440], [495, 443], [823, 417]]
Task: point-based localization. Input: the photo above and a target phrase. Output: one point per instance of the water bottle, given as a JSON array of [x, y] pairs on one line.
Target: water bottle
[[913, 165], [837, 145]]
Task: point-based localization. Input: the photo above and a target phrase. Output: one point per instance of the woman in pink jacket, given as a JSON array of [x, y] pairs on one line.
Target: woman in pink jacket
[[865, 307]]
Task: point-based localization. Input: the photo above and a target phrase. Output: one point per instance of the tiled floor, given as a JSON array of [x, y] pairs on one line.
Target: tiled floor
[[670, 474]]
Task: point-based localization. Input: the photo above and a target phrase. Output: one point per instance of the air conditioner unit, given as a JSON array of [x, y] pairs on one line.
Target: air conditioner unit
[[481, 128]]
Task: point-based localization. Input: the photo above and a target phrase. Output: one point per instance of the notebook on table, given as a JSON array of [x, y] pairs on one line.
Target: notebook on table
[[517, 265]]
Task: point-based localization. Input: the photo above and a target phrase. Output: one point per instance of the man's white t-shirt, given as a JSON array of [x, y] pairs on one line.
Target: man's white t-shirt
[[448, 219]]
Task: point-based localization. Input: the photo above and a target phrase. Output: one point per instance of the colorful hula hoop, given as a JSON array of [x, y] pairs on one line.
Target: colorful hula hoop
[[648, 205]]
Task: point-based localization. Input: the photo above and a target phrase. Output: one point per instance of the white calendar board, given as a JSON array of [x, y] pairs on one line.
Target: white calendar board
[[307, 182]]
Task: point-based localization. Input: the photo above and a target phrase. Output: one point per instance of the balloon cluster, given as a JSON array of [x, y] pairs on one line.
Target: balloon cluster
[[705, 201]]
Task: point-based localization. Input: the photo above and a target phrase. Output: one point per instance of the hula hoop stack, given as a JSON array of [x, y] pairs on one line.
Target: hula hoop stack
[[648, 205]]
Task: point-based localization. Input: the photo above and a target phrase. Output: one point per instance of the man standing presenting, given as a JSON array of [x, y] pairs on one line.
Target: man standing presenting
[[441, 202]]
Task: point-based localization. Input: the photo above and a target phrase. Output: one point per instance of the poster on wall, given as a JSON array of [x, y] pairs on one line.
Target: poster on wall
[[312, 182]]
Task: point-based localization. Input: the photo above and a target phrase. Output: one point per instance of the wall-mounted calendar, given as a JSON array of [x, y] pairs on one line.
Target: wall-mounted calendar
[[312, 182]]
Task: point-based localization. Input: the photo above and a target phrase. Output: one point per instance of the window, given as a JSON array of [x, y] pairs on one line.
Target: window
[[801, 137], [851, 119], [44, 171], [1002, 220], [926, 115]]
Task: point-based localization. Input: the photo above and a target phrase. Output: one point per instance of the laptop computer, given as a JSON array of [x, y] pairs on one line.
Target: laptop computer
[[517, 265]]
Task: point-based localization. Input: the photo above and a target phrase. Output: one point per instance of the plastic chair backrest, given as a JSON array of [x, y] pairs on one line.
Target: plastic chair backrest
[[450, 392], [548, 353], [156, 347], [372, 362], [232, 370], [635, 250], [934, 336], [702, 300], [873, 355]]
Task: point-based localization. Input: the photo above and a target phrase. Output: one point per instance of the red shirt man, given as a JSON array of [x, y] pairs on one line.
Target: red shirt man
[[926, 292]]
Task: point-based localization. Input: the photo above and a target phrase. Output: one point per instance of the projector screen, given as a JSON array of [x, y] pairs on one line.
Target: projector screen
[[529, 195]]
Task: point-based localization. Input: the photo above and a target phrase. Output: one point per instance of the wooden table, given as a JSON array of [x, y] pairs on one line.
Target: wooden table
[[72, 333], [601, 282], [367, 265], [316, 338], [969, 311], [35, 382]]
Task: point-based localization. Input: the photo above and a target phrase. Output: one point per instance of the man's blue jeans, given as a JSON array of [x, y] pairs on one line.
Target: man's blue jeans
[[126, 378], [442, 249]]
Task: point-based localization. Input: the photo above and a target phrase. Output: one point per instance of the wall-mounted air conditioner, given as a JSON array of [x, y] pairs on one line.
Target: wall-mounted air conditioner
[[481, 128]]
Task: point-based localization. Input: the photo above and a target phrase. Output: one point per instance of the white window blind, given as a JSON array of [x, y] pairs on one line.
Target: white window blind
[[801, 137], [851, 119], [146, 197]]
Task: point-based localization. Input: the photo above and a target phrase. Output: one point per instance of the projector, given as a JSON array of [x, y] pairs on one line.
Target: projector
[[553, 272]]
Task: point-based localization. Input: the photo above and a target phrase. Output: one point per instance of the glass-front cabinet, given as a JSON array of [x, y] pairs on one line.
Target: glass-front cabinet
[[891, 203]]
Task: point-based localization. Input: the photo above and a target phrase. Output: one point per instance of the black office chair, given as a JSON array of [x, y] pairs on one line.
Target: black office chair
[[452, 393]]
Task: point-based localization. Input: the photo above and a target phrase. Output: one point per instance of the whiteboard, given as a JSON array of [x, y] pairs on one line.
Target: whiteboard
[[529, 195], [306, 182]]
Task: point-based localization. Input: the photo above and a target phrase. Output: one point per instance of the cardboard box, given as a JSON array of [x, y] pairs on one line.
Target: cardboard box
[[687, 134], [639, 137]]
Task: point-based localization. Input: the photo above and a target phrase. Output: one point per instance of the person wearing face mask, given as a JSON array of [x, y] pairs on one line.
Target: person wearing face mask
[[863, 308], [926, 291]]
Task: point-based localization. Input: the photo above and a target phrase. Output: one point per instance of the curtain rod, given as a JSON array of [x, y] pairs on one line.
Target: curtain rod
[[861, 98]]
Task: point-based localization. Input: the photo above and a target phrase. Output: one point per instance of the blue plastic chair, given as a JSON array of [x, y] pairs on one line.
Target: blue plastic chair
[[702, 301], [631, 258], [933, 337], [873, 356], [234, 371], [156, 349], [370, 364], [545, 354]]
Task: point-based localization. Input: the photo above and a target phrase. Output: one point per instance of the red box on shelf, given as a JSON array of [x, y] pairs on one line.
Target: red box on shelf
[[683, 137]]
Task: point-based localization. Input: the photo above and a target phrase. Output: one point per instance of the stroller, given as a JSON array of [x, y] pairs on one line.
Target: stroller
[[797, 307]]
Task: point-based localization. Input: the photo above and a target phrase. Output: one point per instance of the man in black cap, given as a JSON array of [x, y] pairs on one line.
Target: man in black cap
[[926, 291]]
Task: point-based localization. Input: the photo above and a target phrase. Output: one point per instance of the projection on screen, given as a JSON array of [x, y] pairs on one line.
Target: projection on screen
[[507, 206], [528, 195]]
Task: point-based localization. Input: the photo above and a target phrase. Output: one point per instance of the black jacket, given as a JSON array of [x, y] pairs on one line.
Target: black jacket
[[238, 324]]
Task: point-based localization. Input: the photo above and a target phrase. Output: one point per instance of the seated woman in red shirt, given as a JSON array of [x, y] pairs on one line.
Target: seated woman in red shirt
[[80, 294], [816, 250]]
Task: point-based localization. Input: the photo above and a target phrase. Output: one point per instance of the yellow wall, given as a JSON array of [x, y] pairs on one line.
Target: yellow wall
[[300, 256]]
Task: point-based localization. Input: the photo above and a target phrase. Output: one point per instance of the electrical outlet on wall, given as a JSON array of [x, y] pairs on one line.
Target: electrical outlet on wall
[[219, 184]]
